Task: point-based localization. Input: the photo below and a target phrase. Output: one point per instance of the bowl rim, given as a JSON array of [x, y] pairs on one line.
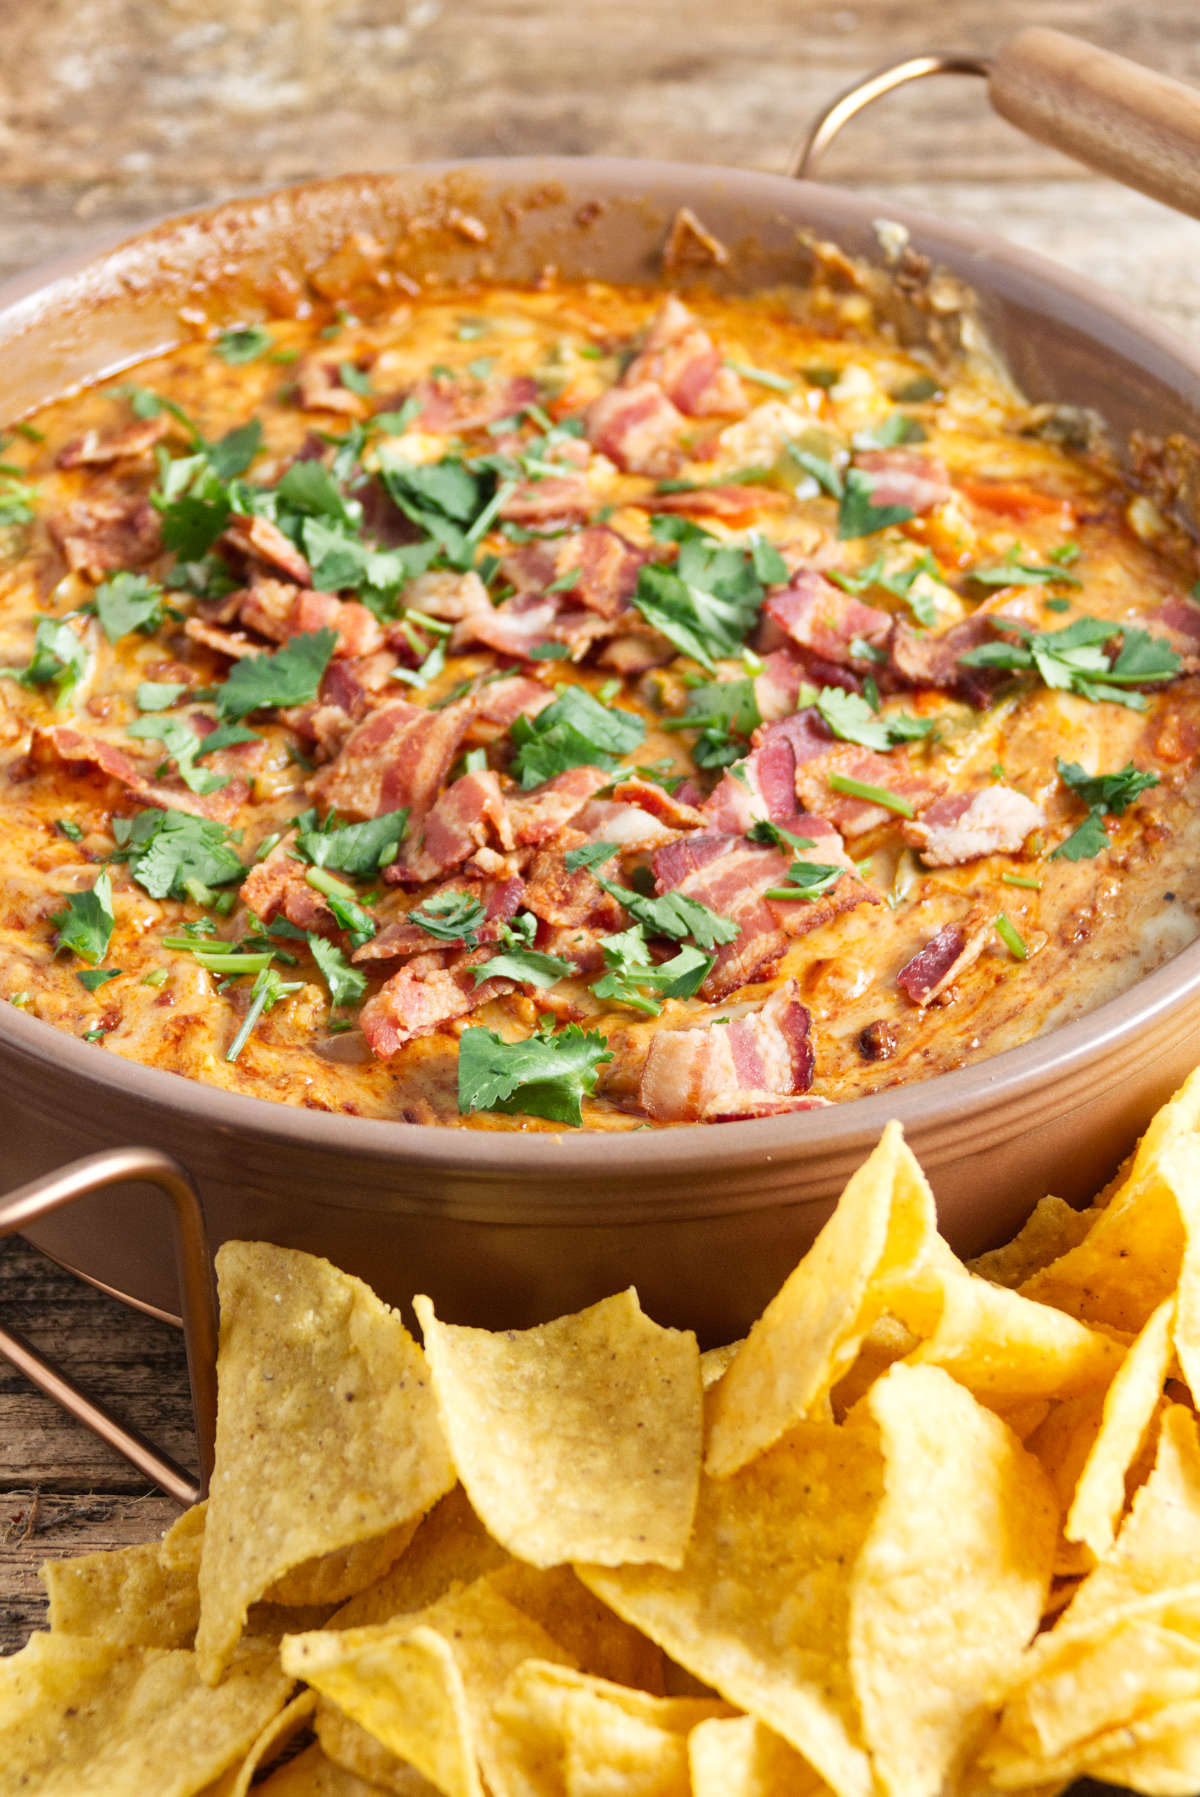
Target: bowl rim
[[1040, 1070]]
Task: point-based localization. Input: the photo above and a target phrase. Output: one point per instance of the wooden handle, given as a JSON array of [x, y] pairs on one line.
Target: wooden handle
[[1126, 121]]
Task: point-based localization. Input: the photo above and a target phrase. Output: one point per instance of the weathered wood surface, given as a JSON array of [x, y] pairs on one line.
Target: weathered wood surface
[[114, 111]]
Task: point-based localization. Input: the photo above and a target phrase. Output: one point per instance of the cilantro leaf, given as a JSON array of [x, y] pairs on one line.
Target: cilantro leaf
[[159, 695], [1113, 793], [633, 976], [289, 677], [266, 992], [59, 659], [360, 850], [850, 718], [674, 915], [92, 978], [1078, 658], [346, 984], [807, 880], [858, 515], [1017, 571], [725, 712], [590, 854], [243, 343], [819, 467], [169, 852], [546, 1075], [1084, 843], [16, 501], [86, 925], [450, 917], [128, 602], [900, 583], [450, 502], [896, 428], [519, 960], [310, 487], [349, 914], [233, 453], [184, 745], [575, 730], [709, 601]]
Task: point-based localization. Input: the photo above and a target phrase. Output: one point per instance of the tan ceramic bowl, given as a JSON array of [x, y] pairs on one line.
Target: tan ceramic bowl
[[506, 1227]]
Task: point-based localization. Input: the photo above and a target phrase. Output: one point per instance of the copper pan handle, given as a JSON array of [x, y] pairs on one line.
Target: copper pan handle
[[194, 1269], [1140, 127]]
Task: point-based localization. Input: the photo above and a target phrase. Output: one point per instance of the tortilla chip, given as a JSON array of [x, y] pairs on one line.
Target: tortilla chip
[[1129, 1409], [82, 1718], [811, 1331], [949, 1587], [564, 1734], [311, 1774], [315, 1374], [597, 1641], [1129, 1262], [359, 1752], [450, 1549], [1180, 1163], [425, 1686], [1051, 1230], [741, 1758], [578, 1440], [277, 1735], [1159, 1753], [127, 1595], [715, 1361], [760, 1609]]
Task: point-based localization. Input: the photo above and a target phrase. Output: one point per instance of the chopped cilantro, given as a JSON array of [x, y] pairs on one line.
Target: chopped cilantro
[[550, 652], [519, 960], [851, 719], [168, 850], [806, 880], [59, 660], [450, 917], [289, 677], [359, 850], [913, 392], [765, 377], [546, 1075], [1011, 937], [159, 695], [709, 601], [183, 745], [92, 978], [69, 829], [822, 377], [445, 499], [1015, 571], [900, 583], [896, 428], [633, 977], [1101, 793], [819, 467], [874, 795], [346, 984], [85, 926], [1084, 843], [243, 343], [353, 377], [725, 712], [1078, 658], [858, 515], [590, 854], [674, 915], [16, 500], [575, 730], [265, 993], [347, 911]]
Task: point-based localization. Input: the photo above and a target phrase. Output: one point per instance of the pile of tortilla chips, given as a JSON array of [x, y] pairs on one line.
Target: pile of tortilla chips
[[929, 1529]]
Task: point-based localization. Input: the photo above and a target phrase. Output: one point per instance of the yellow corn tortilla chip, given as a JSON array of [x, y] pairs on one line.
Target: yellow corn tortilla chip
[[451, 1548], [1129, 1409], [760, 1609], [1160, 1753], [359, 1752], [811, 1331], [315, 1373], [1051, 1230], [426, 1686], [578, 1440], [742, 1758], [565, 1734], [1130, 1260], [275, 1737], [597, 1641], [1180, 1164], [311, 1774], [133, 1595], [950, 1584], [97, 1719]]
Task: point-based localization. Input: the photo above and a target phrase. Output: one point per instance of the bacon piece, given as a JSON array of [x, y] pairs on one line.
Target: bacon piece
[[98, 536], [500, 899], [398, 756], [936, 966], [277, 887], [527, 623], [319, 388], [821, 618], [469, 815], [280, 611], [256, 537], [735, 1107], [629, 825], [446, 596], [569, 898], [766, 1054], [425, 994], [544, 811], [765, 783], [734, 505], [853, 816], [732, 877], [681, 358], [966, 825], [457, 405], [672, 808], [351, 681], [503, 701], [234, 643], [777, 687], [1011, 499], [636, 650], [637, 428], [556, 498], [922, 658], [608, 569], [905, 477], [127, 443], [64, 743]]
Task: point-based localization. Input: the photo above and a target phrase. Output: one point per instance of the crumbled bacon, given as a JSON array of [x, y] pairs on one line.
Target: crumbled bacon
[[730, 1068], [64, 743], [458, 405], [127, 443], [737, 506], [467, 816], [100, 536], [446, 596], [427, 992], [889, 773], [637, 428], [966, 825], [280, 611], [503, 701], [555, 499], [501, 899], [398, 756], [905, 477], [234, 643], [527, 623], [541, 813], [934, 968], [764, 785], [257, 538], [276, 887], [319, 388], [823, 619], [679, 357], [569, 897]]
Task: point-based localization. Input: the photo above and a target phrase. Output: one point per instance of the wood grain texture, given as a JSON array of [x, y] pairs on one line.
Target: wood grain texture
[[115, 111]]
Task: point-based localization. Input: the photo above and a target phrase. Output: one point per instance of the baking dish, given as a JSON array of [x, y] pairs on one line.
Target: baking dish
[[504, 1228]]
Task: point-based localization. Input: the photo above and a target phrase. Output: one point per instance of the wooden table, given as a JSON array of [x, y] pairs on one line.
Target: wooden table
[[112, 111]]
